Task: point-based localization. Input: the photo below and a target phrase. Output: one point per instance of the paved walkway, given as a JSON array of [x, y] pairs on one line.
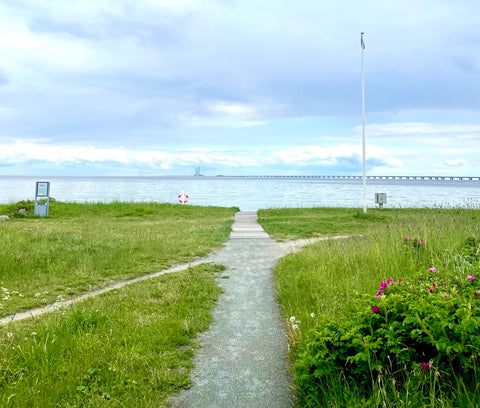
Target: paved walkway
[[243, 359]]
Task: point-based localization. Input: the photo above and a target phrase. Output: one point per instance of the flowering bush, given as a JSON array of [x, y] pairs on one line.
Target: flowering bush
[[408, 331]]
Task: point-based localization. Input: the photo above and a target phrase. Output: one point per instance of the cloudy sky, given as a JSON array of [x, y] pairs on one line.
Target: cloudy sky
[[159, 87]]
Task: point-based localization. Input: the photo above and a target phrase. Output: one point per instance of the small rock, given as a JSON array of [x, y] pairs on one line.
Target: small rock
[[4, 218]]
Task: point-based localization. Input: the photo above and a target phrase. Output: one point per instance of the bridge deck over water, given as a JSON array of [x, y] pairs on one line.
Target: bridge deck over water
[[426, 178]]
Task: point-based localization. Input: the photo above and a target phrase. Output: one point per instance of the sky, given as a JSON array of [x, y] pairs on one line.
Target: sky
[[239, 87]]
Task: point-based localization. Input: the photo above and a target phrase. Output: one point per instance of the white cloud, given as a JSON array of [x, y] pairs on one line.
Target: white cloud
[[417, 128], [330, 156], [454, 163], [227, 114]]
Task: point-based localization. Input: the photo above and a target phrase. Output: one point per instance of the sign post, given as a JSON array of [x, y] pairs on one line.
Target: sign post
[[42, 198]]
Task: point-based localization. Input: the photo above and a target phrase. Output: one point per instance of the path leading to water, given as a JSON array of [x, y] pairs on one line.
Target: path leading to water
[[243, 358]]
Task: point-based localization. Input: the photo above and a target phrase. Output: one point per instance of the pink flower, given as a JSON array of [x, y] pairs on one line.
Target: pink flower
[[379, 295], [420, 241], [425, 366], [383, 285], [476, 293], [471, 277], [400, 281], [389, 282], [375, 309], [432, 270], [405, 239], [431, 290]]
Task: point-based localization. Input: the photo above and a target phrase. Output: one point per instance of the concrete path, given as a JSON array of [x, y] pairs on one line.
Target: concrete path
[[243, 359], [246, 226]]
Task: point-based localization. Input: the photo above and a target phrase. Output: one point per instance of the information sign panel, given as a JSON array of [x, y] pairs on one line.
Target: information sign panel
[[43, 189]]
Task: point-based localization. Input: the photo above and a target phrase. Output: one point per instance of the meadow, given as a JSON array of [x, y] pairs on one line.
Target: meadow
[[130, 347], [83, 246], [388, 317]]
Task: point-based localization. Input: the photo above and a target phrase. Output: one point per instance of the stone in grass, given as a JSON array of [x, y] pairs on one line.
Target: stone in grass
[[4, 218]]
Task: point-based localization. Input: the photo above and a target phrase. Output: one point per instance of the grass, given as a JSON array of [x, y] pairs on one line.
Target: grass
[[325, 278], [127, 348], [83, 246], [291, 223]]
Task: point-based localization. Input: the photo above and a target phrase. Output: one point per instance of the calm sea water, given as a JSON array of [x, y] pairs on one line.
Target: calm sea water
[[248, 194]]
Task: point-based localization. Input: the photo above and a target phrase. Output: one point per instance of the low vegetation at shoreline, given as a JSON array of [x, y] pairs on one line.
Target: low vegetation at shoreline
[[386, 319], [131, 347], [81, 246]]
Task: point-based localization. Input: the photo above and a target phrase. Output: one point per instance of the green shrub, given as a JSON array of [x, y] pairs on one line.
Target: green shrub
[[422, 336], [20, 209]]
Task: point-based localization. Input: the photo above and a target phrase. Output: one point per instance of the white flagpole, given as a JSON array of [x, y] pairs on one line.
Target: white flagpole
[[362, 44]]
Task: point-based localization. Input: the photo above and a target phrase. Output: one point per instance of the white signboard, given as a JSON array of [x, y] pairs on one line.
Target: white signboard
[[43, 188]]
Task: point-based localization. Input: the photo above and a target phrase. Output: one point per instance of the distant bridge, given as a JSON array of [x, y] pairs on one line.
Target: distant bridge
[[426, 178]]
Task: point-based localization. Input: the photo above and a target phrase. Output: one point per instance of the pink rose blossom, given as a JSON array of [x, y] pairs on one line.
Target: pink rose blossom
[[471, 277], [375, 309], [432, 270], [390, 281], [425, 366], [383, 285]]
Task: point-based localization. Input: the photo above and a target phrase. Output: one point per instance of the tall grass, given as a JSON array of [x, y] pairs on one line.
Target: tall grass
[[127, 348], [82, 246], [325, 279]]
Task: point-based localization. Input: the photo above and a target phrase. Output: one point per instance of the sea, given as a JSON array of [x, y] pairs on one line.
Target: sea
[[248, 193]]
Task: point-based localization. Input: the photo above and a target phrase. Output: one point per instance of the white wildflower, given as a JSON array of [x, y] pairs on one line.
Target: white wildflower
[[45, 292], [292, 319], [295, 327], [6, 298], [36, 295], [34, 333], [312, 315], [9, 335]]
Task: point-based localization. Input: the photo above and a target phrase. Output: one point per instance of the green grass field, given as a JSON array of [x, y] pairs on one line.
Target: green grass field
[[324, 280], [131, 347], [83, 246]]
